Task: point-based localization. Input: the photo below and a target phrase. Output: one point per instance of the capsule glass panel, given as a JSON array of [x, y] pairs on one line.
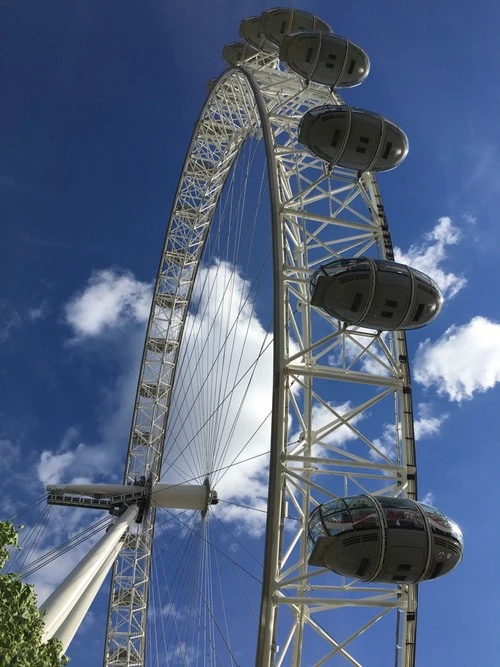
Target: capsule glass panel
[[353, 138]]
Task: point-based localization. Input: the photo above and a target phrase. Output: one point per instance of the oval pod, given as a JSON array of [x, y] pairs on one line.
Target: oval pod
[[376, 294], [325, 58], [385, 539], [353, 138]]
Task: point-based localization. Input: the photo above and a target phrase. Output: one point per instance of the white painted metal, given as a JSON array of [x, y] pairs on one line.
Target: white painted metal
[[93, 490], [179, 496], [62, 601], [68, 628], [318, 215]]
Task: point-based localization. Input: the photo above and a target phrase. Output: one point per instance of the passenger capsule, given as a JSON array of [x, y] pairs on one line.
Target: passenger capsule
[[376, 294], [324, 58], [378, 538], [276, 23], [237, 53], [250, 31], [353, 138]]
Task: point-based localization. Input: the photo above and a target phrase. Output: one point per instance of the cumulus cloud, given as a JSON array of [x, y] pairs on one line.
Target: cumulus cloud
[[220, 411], [429, 255], [463, 361], [111, 299]]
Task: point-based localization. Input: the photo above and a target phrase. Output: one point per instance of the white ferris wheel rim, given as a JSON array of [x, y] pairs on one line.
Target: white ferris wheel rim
[[255, 80]]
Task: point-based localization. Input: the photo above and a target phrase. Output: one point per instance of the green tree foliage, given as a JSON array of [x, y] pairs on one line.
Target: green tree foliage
[[21, 625]]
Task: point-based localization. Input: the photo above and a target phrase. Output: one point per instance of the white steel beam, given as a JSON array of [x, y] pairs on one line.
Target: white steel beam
[[59, 604]]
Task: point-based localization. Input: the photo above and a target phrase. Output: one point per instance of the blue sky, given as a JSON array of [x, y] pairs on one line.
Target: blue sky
[[99, 101]]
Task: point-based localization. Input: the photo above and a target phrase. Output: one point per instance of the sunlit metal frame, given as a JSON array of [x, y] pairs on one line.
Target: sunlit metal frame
[[264, 97]]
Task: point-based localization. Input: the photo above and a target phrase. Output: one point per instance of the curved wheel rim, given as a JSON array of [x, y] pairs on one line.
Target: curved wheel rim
[[302, 227]]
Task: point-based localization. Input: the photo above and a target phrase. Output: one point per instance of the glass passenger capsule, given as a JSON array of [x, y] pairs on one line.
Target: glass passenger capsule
[[376, 294], [324, 58], [276, 23], [378, 538], [250, 32], [237, 53], [353, 138]]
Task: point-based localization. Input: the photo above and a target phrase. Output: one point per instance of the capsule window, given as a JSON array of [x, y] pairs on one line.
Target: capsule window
[[309, 55], [351, 67], [363, 567], [335, 139], [391, 304], [356, 302], [364, 140], [360, 149], [418, 312], [387, 150], [282, 28], [386, 313], [333, 57], [404, 567], [399, 577], [437, 569]]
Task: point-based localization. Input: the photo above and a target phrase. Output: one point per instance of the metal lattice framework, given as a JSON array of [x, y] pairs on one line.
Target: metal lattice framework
[[318, 214]]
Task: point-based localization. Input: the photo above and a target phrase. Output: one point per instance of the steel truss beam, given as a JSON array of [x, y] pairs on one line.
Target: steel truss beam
[[320, 214]]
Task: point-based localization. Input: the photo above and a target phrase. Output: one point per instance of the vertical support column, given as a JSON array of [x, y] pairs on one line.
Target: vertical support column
[[70, 625], [59, 605]]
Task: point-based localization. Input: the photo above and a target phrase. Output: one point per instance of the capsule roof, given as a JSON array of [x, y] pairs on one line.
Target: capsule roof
[[250, 32], [353, 138], [276, 23], [325, 58], [376, 294], [266, 32]]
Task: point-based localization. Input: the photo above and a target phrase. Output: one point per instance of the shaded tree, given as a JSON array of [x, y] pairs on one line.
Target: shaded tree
[[21, 625]]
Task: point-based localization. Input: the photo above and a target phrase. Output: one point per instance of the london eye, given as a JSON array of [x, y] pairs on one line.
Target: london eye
[[275, 350]]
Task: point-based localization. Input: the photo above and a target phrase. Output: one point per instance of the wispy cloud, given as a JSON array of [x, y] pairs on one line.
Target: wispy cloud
[[430, 254], [10, 319], [425, 425]]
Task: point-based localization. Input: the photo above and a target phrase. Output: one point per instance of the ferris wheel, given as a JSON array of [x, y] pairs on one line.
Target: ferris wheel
[[274, 396]]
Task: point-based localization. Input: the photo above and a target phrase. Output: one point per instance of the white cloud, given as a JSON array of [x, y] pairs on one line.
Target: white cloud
[[224, 408], [9, 320], [428, 499], [52, 466], [111, 299], [9, 453], [463, 361], [429, 255], [469, 218], [323, 417], [38, 312], [363, 353], [425, 425]]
